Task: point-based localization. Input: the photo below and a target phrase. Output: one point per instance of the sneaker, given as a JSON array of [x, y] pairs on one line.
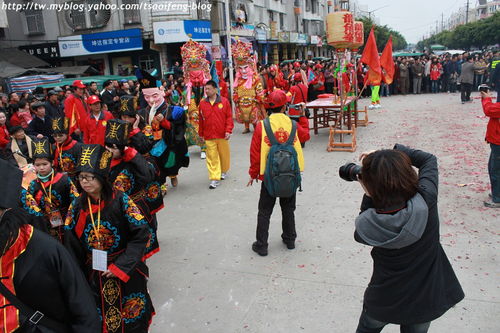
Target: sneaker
[[260, 250], [247, 130], [371, 107], [213, 184], [289, 244], [463, 102], [203, 155], [378, 106], [491, 204], [223, 176]]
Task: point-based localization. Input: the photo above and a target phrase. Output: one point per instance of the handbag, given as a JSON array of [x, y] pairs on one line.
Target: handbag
[[34, 318]]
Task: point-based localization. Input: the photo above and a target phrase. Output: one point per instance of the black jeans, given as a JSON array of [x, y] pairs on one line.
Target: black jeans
[[369, 325], [466, 89], [266, 205]]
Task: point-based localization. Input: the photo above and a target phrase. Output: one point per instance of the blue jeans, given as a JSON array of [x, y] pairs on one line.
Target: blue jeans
[[434, 86], [369, 325], [494, 171]]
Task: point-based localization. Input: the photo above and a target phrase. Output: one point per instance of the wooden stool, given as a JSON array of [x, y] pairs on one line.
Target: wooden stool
[[363, 122], [342, 146]]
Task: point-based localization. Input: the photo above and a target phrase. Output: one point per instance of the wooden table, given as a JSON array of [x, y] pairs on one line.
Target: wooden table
[[326, 113]]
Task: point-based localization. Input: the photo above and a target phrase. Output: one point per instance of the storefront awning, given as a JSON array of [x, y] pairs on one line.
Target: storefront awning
[[20, 58], [71, 70]]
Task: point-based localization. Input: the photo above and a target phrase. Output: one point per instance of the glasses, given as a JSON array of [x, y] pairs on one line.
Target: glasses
[[86, 178]]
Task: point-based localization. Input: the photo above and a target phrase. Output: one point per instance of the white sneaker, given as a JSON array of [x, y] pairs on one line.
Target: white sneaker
[[371, 107], [223, 176], [203, 155], [378, 106], [214, 184]]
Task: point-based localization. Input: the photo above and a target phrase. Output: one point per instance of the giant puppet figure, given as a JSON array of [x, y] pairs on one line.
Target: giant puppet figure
[[196, 70], [166, 126], [248, 92]]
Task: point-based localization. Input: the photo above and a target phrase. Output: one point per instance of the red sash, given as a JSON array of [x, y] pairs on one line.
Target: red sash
[[9, 315]]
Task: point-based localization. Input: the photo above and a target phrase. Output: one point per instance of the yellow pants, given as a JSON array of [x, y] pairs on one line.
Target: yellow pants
[[218, 157]]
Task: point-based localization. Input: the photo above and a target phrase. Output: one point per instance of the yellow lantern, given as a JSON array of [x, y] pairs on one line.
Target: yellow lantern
[[359, 35], [340, 29]]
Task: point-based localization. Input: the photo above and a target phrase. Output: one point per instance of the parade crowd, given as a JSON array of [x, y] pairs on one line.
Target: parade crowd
[[96, 165]]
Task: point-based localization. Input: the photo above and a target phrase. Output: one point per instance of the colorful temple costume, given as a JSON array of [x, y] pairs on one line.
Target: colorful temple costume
[[48, 197], [248, 92], [131, 173], [66, 153], [109, 236], [196, 69]]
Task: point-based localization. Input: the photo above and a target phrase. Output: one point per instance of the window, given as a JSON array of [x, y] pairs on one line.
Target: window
[[282, 22], [34, 22], [314, 6], [88, 19], [308, 5], [306, 27], [146, 62], [271, 16], [130, 14]]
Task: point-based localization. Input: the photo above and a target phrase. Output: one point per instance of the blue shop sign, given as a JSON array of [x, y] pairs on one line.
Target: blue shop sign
[[101, 42]]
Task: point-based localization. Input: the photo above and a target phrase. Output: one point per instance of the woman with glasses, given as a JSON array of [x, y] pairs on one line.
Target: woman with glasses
[[67, 150], [49, 195], [108, 235]]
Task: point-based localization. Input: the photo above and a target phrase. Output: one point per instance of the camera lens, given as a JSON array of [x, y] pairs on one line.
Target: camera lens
[[350, 172]]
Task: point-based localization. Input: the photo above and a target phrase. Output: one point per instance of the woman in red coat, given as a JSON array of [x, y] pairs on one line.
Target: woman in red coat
[[4, 133]]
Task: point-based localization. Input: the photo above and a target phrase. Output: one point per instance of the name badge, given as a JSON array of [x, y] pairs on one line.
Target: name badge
[[55, 219], [99, 260]]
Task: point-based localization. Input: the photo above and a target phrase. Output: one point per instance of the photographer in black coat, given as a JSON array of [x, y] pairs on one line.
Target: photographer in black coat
[[413, 282]]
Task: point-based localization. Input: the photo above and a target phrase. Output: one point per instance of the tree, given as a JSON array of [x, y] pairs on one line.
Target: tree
[[382, 33], [479, 34]]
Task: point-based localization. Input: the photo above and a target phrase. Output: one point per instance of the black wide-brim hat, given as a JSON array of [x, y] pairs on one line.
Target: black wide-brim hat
[[94, 159], [117, 132]]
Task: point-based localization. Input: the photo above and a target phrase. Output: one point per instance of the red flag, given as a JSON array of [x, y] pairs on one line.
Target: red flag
[[370, 58], [387, 62]]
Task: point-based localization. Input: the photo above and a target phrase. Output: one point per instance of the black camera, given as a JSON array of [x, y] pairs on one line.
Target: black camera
[[350, 172], [484, 88]]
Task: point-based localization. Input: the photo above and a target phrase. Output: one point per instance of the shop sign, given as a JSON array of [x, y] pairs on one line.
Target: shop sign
[[100, 42], [179, 31], [303, 39], [314, 39], [243, 30], [284, 37], [294, 37], [42, 51], [260, 34]]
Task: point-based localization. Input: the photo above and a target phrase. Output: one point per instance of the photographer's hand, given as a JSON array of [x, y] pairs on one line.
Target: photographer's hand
[[364, 154], [485, 94]]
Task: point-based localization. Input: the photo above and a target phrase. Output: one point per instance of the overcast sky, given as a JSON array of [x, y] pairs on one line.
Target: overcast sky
[[413, 18]]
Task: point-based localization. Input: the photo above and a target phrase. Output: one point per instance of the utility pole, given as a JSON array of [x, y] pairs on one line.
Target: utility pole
[[467, 13], [442, 21], [437, 26]]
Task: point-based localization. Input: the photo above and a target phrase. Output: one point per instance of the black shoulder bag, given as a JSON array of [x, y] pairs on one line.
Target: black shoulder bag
[[34, 317]]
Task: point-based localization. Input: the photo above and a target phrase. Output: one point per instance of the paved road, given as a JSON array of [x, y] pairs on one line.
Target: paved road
[[207, 279]]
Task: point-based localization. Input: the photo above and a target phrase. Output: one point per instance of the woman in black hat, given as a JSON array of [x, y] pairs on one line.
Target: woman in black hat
[[109, 236], [49, 195]]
